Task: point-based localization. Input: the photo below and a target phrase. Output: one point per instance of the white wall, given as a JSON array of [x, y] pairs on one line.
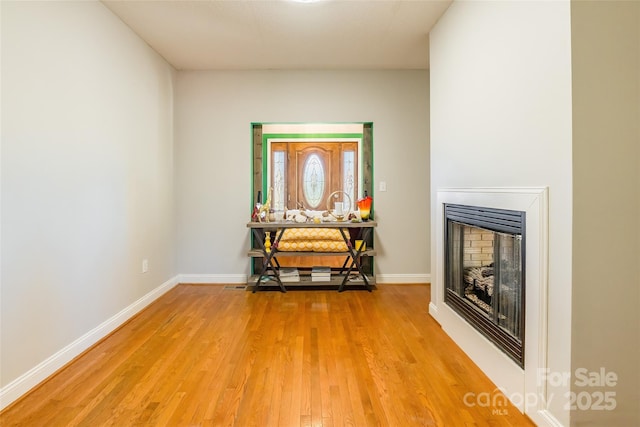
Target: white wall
[[214, 111], [606, 204], [501, 117], [87, 166]]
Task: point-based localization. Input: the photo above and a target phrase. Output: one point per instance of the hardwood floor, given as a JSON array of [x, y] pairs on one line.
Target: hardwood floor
[[210, 355]]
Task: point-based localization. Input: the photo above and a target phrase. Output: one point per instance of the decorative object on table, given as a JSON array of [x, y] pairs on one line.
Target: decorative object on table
[[300, 217], [311, 216], [364, 205], [320, 274], [296, 215], [267, 241], [289, 275], [255, 215], [340, 210], [263, 212]]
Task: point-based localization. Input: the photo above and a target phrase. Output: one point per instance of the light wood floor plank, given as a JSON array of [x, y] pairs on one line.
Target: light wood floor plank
[[213, 356]]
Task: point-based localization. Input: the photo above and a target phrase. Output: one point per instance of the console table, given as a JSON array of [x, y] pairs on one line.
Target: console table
[[270, 268]]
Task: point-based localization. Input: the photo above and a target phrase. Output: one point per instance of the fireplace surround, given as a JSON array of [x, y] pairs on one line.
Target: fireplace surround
[[513, 378]]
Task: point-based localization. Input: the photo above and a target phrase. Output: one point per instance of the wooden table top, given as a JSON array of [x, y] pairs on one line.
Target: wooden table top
[[311, 224]]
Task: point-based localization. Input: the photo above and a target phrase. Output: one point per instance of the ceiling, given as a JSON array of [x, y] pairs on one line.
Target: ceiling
[[285, 34]]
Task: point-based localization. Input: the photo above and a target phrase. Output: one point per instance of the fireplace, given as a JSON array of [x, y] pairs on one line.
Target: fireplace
[[520, 215], [484, 273]]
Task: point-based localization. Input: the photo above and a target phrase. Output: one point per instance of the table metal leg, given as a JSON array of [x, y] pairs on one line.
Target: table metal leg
[[355, 260], [269, 260]]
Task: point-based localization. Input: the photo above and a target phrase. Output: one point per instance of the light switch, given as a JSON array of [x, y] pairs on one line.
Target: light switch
[[383, 185]]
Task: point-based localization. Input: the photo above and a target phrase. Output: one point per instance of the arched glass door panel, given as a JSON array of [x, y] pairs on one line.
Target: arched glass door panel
[[313, 181]]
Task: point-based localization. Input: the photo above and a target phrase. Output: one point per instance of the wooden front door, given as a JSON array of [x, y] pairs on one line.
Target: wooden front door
[[312, 171]]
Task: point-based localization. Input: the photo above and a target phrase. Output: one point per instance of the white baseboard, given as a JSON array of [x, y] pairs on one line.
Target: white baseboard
[[544, 418], [21, 385], [212, 278], [403, 278], [433, 310]]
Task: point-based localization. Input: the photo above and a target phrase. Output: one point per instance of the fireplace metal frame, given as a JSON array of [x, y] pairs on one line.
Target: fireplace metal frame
[[501, 221]]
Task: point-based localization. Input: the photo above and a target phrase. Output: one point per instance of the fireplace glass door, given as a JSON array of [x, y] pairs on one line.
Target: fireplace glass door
[[485, 274]]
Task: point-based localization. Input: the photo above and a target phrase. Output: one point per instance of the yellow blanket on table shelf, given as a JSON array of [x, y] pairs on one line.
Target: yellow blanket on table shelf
[[312, 240]]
